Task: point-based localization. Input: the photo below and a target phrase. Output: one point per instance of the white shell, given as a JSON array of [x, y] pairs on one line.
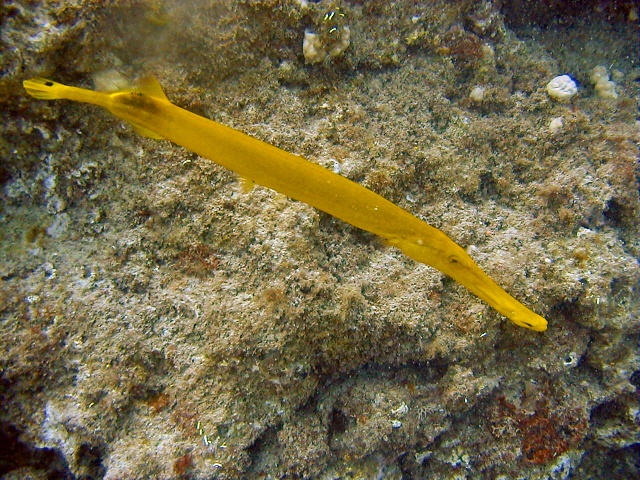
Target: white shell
[[562, 88]]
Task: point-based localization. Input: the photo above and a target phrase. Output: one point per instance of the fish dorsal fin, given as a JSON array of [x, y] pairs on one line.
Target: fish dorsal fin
[[112, 81], [151, 87]]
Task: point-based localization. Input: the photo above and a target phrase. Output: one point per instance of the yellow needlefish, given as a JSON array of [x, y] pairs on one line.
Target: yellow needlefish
[[149, 111]]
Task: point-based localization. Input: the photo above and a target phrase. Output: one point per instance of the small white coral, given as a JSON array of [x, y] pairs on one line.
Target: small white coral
[[605, 88], [312, 48], [556, 125], [318, 47], [599, 73], [562, 88], [477, 94]]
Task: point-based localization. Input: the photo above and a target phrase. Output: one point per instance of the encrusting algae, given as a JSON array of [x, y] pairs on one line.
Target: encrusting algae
[[150, 112]]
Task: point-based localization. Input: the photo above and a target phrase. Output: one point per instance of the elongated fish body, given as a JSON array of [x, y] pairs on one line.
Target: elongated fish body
[[152, 114]]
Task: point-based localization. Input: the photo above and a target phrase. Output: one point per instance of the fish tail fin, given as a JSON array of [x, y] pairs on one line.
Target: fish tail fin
[[44, 89]]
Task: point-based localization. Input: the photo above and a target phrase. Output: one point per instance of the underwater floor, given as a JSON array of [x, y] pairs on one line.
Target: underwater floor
[[161, 319]]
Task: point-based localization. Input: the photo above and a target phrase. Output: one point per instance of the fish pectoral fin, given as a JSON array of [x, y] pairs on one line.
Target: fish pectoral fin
[[246, 184], [391, 242], [145, 132]]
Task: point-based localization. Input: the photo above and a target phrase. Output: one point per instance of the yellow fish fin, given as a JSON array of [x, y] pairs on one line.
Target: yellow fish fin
[[246, 184], [112, 81], [390, 242], [151, 87]]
